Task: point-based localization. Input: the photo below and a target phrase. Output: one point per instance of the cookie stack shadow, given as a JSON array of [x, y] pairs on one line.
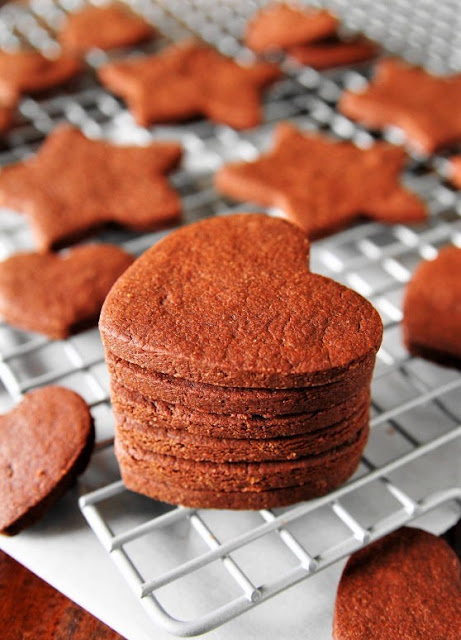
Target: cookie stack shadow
[[193, 437]]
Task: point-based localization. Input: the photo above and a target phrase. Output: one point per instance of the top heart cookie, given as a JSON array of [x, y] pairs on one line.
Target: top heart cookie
[[405, 586], [230, 301]]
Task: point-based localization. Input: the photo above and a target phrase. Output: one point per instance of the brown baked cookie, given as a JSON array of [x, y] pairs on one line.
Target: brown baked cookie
[[323, 185], [432, 309], [46, 443], [238, 485], [234, 400], [334, 52], [67, 196], [187, 80], [59, 294], [406, 585], [6, 117], [106, 27], [281, 26], [230, 301], [30, 71], [182, 443], [157, 414], [412, 99]]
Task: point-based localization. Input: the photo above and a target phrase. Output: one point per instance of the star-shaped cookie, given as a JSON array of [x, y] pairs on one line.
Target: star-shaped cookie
[[29, 71], [106, 27], [188, 80], [424, 106], [74, 185], [323, 185]]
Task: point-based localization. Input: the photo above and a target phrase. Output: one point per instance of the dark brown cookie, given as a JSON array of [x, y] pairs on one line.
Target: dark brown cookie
[[322, 185], [156, 414], [46, 442], [230, 301], [182, 443], [333, 470], [334, 52], [281, 26], [412, 99], [106, 27], [75, 185], [188, 80], [6, 117], [29, 71], [406, 585], [59, 294], [432, 309], [234, 400]]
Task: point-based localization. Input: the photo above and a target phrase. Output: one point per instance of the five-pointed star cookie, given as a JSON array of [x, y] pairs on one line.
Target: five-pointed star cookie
[[74, 185], [321, 184], [29, 71], [188, 80], [106, 27], [422, 105]]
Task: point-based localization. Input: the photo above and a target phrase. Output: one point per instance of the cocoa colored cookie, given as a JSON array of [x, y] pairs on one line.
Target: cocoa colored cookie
[[241, 476], [184, 444], [412, 99], [157, 414], [59, 294], [323, 185], [106, 27], [234, 400], [334, 52], [66, 196], [321, 476], [187, 80], [230, 301], [432, 309], [46, 443], [406, 585], [280, 26], [29, 71]]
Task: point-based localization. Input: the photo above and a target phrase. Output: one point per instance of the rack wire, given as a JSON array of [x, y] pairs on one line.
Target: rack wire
[[416, 406]]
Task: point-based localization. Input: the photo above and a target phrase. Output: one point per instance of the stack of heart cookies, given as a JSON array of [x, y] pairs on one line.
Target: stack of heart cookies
[[239, 379]]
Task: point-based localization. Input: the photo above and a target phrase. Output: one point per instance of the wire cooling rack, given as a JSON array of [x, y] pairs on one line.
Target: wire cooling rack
[[416, 409]]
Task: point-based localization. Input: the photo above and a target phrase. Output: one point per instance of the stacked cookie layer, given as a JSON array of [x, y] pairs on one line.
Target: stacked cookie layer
[[239, 379]]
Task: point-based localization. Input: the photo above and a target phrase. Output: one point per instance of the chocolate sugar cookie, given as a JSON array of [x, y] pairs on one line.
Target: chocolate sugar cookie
[[236, 305], [106, 27], [406, 585], [46, 443], [323, 185], [308, 34], [29, 72], [412, 99], [432, 309], [59, 294], [238, 378], [187, 80], [64, 200]]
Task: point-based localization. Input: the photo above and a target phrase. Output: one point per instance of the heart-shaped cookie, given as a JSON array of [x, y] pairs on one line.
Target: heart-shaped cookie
[[45, 442], [230, 301], [432, 309], [406, 585], [59, 294]]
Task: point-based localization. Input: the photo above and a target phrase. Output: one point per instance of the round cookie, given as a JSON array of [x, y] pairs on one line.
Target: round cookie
[[406, 585], [46, 443], [230, 301]]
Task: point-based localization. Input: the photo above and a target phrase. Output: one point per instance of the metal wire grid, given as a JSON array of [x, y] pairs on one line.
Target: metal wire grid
[[375, 260]]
